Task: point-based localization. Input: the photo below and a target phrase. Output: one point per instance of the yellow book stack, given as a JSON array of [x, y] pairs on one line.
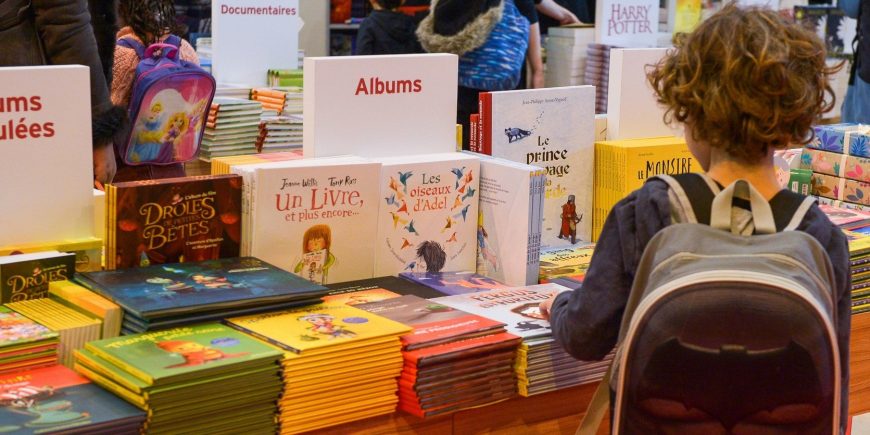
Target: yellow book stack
[[623, 166], [340, 364], [84, 299], [75, 329]]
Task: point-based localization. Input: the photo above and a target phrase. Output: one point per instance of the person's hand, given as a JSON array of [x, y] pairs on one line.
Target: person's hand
[[567, 17], [547, 305], [104, 165]]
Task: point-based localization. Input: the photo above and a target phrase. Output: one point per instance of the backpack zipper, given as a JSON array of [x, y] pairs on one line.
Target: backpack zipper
[[724, 275]]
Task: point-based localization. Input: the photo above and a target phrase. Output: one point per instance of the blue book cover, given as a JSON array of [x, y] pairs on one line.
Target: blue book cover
[[172, 289], [454, 283], [54, 399]]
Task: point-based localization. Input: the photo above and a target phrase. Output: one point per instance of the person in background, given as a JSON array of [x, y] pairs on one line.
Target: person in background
[[58, 32], [534, 58], [148, 22], [856, 104], [387, 31], [717, 82]]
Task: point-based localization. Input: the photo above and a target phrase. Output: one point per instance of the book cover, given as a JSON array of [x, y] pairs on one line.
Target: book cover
[[315, 217], [360, 297], [27, 276], [843, 189], [633, 111], [507, 224], [517, 307], [175, 220], [161, 290], [454, 283], [623, 166], [55, 399], [433, 322], [428, 214], [318, 327], [838, 165], [842, 216], [17, 330], [164, 356], [562, 262], [552, 128], [844, 138], [391, 284]]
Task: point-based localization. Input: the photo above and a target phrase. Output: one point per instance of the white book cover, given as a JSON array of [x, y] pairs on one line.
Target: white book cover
[[46, 155], [627, 23], [378, 106], [553, 128], [632, 109], [517, 307], [252, 36], [505, 223], [428, 214], [305, 206]]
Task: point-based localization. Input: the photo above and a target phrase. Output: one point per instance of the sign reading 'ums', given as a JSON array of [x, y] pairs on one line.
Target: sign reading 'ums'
[[46, 157], [380, 106], [252, 36]]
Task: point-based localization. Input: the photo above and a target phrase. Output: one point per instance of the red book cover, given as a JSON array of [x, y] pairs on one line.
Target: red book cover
[[174, 220], [473, 121], [464, 349], [433, 323], [485, 126]]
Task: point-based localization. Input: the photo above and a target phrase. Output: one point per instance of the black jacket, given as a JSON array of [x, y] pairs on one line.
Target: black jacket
[[387, 32], [59, 32]]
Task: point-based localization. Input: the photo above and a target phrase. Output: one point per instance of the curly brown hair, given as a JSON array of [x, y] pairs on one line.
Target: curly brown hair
[[745, 81], [149, 19]]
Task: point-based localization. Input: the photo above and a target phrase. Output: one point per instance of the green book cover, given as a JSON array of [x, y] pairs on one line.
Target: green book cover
[[179, 354]]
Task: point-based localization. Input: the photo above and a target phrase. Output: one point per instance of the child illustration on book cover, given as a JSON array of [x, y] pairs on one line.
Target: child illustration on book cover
[[194, 354], [484, 252], [569, 217], [316, 258], [324, 324]]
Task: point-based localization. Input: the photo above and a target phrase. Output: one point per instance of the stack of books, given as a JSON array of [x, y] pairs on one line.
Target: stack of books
[[622, 166], [340, 363], [82, 299], [226, 91], [223, 165], [232, 128], [541, 364], [859, 260], [74, 328], [279, 101], [285, 77], [376, 289], [57, 400], [165, 296], [569, 262], [839, 156], [27, 276], [207, 378], [280, 133], [454, 283], [847, 218], [25, 344], [598, 73], [566, 54], [452, 359]]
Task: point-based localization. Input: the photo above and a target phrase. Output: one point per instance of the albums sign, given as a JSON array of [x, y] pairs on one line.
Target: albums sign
[[250, 37], [379, 106]]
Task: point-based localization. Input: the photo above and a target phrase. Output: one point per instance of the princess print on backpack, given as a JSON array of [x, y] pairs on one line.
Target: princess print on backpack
[[170, 100]]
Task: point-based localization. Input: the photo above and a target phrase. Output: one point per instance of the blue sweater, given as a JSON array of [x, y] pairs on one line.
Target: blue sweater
[[586, 322]]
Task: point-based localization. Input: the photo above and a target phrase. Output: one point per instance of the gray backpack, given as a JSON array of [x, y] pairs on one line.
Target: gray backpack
[[727, 333]]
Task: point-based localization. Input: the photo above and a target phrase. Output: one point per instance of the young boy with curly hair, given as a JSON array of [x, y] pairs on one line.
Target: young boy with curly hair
[[744, 84]]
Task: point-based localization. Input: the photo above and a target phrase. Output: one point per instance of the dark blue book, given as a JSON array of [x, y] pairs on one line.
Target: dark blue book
[[229, 284], [454, 283]]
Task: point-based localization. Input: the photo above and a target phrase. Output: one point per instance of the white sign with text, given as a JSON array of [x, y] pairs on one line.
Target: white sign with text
[[378, 106], [46, 155], [250, 37], [627, 23]]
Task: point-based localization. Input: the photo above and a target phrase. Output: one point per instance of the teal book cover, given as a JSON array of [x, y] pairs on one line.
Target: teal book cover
[[166, 289]]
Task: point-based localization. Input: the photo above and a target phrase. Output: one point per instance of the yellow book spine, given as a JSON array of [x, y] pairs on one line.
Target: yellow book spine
[[144, 377], [111, 386]]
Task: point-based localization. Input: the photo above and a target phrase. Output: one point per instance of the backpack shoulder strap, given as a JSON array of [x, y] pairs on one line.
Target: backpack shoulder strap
[[696, 193], [173, 40], [133, 45]]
